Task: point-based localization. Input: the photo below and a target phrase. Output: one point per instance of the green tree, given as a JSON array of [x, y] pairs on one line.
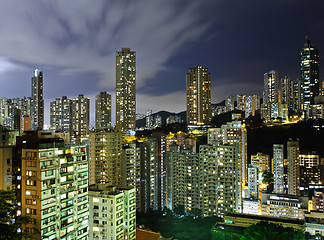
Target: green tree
[[10, 223], [270, 231]]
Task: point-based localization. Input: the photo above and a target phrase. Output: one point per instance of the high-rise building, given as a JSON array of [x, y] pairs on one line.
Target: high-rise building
[[103, 110], [5, 159], [198, 96], [70, 115], [293, 167], [219, 180], [271, 87], [261, 160], [230, 103], [112, 212], [297, 95], [37, 102], [241, 99], [81, 115], [131, 169], [61, 114], [125, 90], [309, 64], [234, 133], [278, 168], [252, 104], [105, 149], [54, 186], [149, 175], [253, 181], [287, 92]]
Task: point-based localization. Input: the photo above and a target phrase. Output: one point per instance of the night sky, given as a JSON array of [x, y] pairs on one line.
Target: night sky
[[74, 43]]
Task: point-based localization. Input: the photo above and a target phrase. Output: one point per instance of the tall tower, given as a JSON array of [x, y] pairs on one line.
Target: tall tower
[[278, 168], [271, 87], [293, 167], [198, 96], [103, 110], [125, 90], [37, 103], [309, 58]]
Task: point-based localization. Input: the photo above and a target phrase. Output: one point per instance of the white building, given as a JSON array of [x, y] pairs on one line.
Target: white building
[[112, 213], [278, 168]]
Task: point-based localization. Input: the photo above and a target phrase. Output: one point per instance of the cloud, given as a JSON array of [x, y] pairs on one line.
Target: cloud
[[81, 37]]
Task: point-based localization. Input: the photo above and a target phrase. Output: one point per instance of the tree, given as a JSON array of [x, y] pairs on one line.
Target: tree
[[268, 179], [10, 223], [270, 231]]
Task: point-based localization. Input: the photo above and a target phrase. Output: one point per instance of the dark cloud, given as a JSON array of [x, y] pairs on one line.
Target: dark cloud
[[74, 43]]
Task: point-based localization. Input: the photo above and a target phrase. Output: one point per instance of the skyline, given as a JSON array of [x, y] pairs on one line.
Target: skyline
[[75, 46]]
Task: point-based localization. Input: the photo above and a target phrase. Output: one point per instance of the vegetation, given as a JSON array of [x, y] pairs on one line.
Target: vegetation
[[269, 231], [182, 227], [223, 232], [310, 137], [268, 179], [10, 224]]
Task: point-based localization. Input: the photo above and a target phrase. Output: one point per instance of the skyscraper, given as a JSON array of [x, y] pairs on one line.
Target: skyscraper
[[105, 149], [271, 87], [80, 115], [37, 103], [278, 168], [241, 99], [293, 167], [54, 186], [198, 96], [125, 90], [70, 115], [103, 110], [309, 57]]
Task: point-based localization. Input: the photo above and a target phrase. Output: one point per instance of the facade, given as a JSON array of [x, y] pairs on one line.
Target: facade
[[70, 115], [314, 225], [278, 168], [54, 186], [149, 175], [230, 103], [131, 169], [105, 148], [271, 87], [252, 206], [253, 181], [6, 162], [241, 99], [284, 206], [37, 101], [286, 91], [316, 111], [293, 167], [198, 96], [61, 114], [112, 213], [233, 133], [81, 115], [220, 180], [297, 95], [183, 178], [252, 104], [125, 90], [262, 161], [103, 110], [13, 113], [273, 111], [309, 65]]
